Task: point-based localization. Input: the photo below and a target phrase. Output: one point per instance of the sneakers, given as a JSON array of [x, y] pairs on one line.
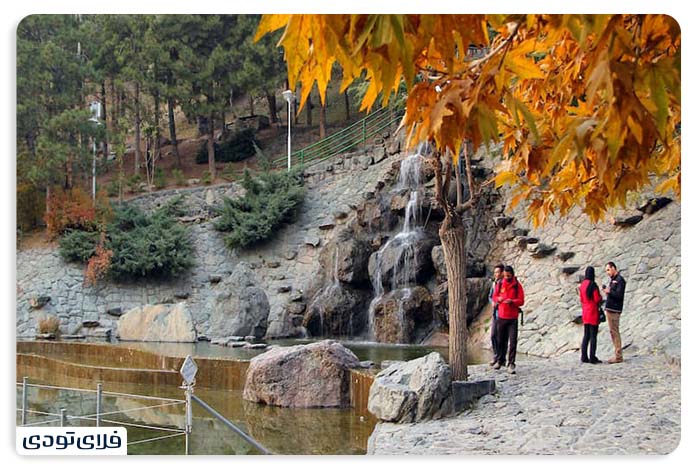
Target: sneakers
[[496, 366], [595, 361], [615, 360], [511, 369], [584, 359]]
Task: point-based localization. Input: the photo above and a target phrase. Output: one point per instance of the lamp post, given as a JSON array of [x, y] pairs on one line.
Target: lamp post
[[290, 97], [95, 108]]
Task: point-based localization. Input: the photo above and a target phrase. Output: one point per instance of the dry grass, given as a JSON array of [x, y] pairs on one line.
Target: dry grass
[[49, 324]]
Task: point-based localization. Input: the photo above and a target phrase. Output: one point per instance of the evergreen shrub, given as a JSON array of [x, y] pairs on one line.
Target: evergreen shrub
[[271, 199], [237, 147]]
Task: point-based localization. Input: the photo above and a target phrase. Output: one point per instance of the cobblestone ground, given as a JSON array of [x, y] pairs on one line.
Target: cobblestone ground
[[557, 406]]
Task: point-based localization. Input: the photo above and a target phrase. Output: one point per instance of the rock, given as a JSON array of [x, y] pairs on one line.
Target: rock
[[273, 264], [326, 224], [46, 336], [398, 314], [192, 182], [563, 256], [73, 337], [628, 221], [182, 295], [250, 338], [540, 250], [101, 333], [406, 256], [340, 214], [202, 338], [256, 346], [338, 310], [284, 289], [214, 279], [237, 344], [312, 240], [502, 221], [290, 255], [39, 302], [161, 322], [569, 269], [296, 296], [235, 338], [413, 391], [92, 322], [654, 204], [523, 241], [520, 232], [296, 308], [477, 290], [475, 268], [368, 195], [303, 376], [240, 308], [115, 311], [349, 258], [367, 364]]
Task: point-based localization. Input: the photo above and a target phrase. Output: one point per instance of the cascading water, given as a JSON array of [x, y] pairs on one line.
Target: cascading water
[[403, 274]]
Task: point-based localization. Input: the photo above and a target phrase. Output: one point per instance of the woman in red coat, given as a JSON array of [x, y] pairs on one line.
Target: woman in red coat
[[590, 300]]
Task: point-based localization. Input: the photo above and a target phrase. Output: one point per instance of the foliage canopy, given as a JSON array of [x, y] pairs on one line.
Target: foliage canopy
[[588, 107]]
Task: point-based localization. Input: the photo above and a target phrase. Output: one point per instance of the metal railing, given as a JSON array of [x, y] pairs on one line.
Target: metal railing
[[62, 418], [342, 141]]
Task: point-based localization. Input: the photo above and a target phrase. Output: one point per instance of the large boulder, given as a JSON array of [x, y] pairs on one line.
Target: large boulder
[[239, 308], [303, 376], [397, 314], [338, 310], [402, 260], [347, 258], [160, 322], [475, 268], [413, 391]]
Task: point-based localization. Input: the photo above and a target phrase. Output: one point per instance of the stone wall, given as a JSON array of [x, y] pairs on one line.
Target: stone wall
[[283, 267], [648, 255]]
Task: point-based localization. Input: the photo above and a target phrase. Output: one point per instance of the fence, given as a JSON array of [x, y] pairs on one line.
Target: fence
[[99, 417], [342, 141]]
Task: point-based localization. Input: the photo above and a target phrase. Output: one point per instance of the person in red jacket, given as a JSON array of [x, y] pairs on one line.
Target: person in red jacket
[[509, 296], [590, 300]]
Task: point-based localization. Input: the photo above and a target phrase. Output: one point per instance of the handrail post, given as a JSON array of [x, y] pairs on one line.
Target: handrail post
[[364, 130], [63, 417], [24, 400], [99, 400], [189, 417]]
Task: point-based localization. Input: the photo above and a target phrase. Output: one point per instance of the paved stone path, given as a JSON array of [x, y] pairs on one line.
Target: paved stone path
[[557, 406]]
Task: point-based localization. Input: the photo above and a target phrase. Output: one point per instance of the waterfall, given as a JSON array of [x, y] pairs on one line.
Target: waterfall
[[404, 273]]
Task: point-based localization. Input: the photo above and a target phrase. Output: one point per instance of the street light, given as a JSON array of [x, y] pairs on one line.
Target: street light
[[95, 107], [290, 97]]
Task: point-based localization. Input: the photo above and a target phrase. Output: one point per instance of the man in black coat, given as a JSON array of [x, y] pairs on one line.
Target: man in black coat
[[613, 307]]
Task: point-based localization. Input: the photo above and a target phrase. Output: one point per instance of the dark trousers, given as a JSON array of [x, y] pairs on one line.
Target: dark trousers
[[507, 331], [589, 337], [494, 334]]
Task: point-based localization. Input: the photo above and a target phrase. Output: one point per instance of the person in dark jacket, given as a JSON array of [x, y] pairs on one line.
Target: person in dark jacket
[[509, 296], [497, 276], [590, 300], [613, 307]]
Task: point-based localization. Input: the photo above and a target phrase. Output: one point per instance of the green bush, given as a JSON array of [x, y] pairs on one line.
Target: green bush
[[159, 180], [112, 188], [238, 147], [271, 199], [206, 178], [133, 183], [178, 176], [142, 246], [77, 246]]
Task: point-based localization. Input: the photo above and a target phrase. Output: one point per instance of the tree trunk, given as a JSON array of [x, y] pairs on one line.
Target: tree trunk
[[453, 237], [172, 130], [322, 120], [251, 105], [272, 107], [105, 143], [211, 147], [137, 129], [158, 136], [203, 125], [347, 103], [309, 107]]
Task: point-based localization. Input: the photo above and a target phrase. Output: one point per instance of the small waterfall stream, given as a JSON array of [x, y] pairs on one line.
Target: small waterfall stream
[[404, 272]]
